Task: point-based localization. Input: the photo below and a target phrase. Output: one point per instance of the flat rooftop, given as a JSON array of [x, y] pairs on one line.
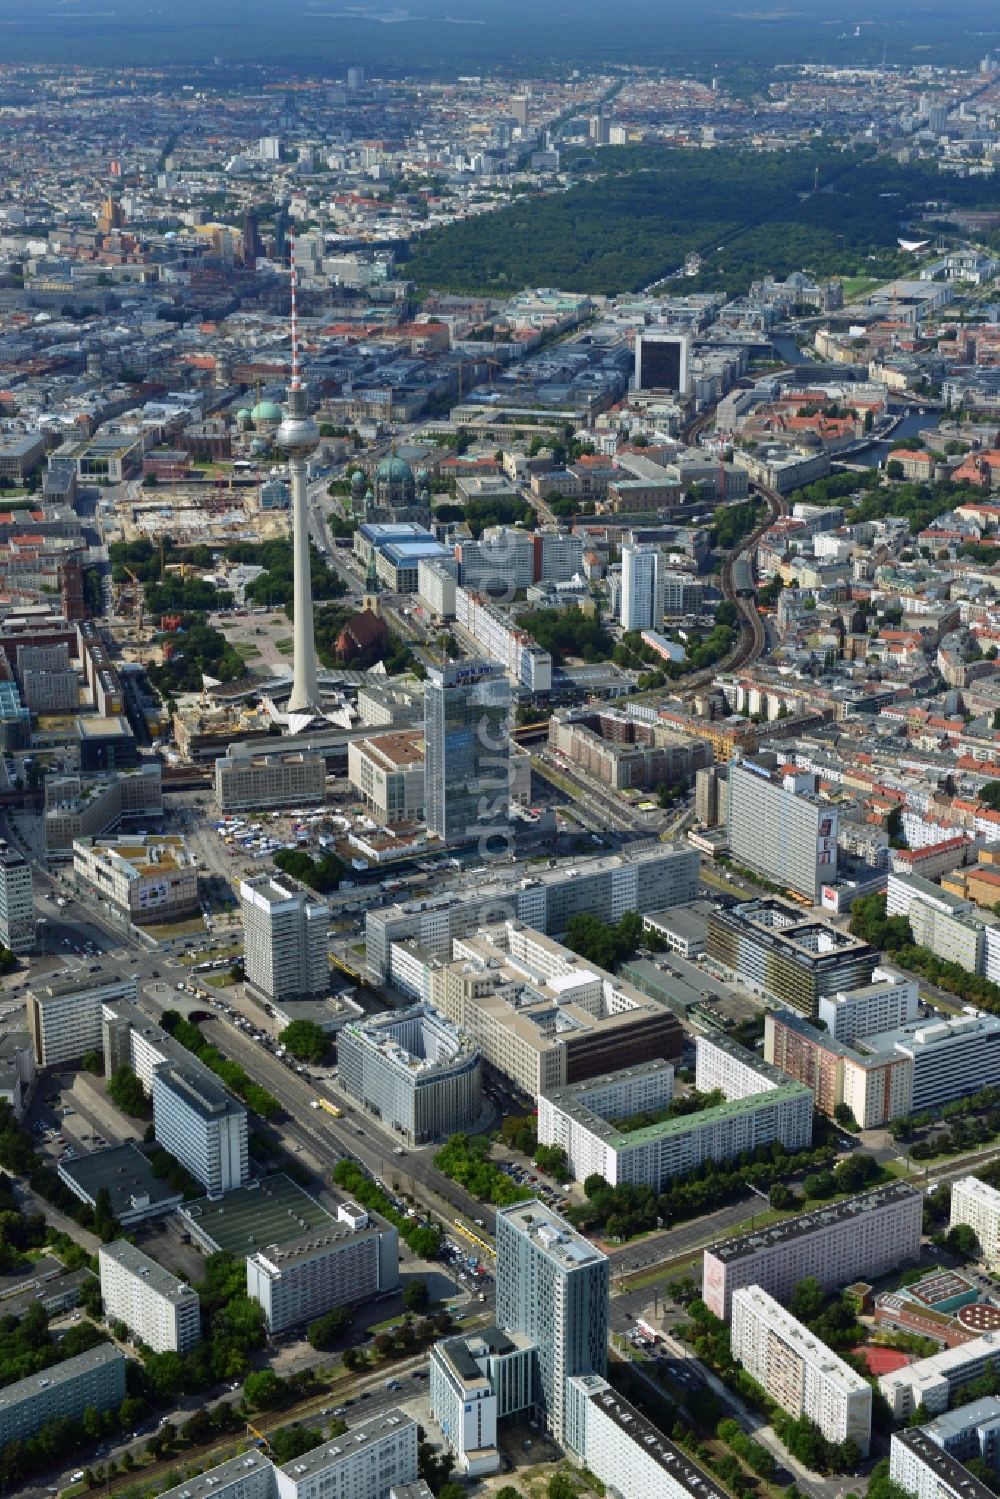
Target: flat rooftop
[[275, 1212], [952, 1476], [799, 1227], [328, 1454], [552, 1234], [153, 1275], [226, 1473], [196, 1087], [126, 1173], [637, 1429], [490, 888], [55, 1374]]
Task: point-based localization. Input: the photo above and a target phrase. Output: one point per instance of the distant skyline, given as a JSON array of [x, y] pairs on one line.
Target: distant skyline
[[324, 37]]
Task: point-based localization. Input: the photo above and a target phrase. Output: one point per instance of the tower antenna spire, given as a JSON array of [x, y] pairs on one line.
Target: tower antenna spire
[[296, 373]]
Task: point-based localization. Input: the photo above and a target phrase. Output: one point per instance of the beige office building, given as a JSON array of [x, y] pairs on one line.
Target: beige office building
[[248, 779], [144, 879]]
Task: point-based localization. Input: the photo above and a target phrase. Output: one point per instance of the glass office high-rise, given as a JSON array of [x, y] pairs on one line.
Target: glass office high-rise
[[467, 751]]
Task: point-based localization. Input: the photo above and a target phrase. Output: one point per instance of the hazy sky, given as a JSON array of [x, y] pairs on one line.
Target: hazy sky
[[445, 35]]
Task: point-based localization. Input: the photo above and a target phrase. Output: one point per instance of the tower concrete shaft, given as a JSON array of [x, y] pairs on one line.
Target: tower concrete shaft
[[298, 435], [305, 689]]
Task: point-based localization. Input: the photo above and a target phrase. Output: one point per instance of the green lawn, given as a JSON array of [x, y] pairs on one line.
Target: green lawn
[[286, 645], [858, 286], [246, 650]]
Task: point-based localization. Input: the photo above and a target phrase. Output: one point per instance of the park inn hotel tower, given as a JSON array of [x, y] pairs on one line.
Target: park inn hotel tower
[[467, 772]]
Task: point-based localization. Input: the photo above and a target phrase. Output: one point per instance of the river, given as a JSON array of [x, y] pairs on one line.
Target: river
[[911, 425]]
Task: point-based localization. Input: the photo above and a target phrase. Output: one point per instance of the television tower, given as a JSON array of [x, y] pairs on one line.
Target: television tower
[[298, 436]]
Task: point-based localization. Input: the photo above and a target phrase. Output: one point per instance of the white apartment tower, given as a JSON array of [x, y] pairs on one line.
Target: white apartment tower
[[978, 1205], [642, 602], [285, 932], [200, 1123], [799, 1372], [157, 1308], [778, 827]]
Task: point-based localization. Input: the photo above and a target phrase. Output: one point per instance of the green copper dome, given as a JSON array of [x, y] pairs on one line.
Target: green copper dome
[[267, 411], [395, 470]]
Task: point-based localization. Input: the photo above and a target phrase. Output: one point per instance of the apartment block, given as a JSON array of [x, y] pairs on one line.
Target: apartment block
[[951, 1058], [17, 906], [157, 1308], [552, 1288], [651, 1156], [800, 1373], [623, 1448], [343, 1265], [366, 1462], [948, 925], [63, 1392], [522, 658], [248, 779], [64, 1015], [625, 752], [861, 1237], [248, 1476], [203, 1125], [605, 888], [285, 938], [927, 1470], [436, 582], [876, 1087], [780, 828], [978, 1205]]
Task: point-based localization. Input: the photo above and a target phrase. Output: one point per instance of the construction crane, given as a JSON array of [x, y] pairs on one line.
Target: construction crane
[[139, 597]]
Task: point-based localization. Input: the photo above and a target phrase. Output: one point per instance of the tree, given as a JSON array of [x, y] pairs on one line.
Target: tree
[[452, 1490], [553, 1160], [962, 1242], [262, 1389], [416, 1296], [289, 1442], [844, 1115], [92, 1062], [561, 1486], [106, 1225], [325, 1330], [305, 1040], [127, 1093], [808, 1299]]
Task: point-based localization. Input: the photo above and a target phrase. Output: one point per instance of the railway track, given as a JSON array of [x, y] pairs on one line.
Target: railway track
[[753, 638]]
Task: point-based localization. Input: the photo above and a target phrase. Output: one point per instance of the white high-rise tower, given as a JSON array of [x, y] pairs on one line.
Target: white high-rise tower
[[298, 436]]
